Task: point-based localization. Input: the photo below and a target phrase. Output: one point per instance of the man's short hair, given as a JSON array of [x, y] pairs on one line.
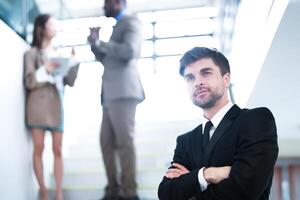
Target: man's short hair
[[198, 53]]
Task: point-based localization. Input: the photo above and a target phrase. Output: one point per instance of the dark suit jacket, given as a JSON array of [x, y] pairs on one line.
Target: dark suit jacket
[[246, 140]]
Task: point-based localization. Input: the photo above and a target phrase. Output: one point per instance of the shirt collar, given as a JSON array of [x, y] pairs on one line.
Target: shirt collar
[[120, 16], [216, 119]]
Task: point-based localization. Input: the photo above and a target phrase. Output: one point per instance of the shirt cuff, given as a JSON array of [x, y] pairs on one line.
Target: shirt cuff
[[102, 46], [201, 179], [59, 83], [97, 43], [42, 76]]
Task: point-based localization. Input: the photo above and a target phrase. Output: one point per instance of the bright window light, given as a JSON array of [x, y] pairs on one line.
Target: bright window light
[[180, 45], [179, 14], [167, 34], [184, 28]]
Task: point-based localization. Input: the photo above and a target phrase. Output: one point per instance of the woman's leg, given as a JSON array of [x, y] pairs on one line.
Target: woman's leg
[[58, 163], [38, 136]]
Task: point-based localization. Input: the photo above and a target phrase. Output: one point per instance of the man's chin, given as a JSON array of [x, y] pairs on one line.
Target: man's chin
[[203, 105]]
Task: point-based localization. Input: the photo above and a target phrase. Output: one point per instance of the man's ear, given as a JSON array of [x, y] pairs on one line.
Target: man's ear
[[226, 79]]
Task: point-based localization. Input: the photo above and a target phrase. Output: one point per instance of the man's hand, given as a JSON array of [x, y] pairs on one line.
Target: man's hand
[[177, 171], [94, 35], [216, 174]]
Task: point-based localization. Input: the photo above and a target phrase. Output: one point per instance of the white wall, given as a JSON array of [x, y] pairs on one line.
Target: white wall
[[16, 178], [278, 85], [265, 65], [255, 27]]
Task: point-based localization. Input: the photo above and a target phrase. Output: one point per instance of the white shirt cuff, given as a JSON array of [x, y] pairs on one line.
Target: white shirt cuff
[[59, 83], [201, 179], [97, 43], [42, 76]]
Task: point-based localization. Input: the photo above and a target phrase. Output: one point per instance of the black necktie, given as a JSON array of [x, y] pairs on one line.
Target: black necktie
[[205, 137]]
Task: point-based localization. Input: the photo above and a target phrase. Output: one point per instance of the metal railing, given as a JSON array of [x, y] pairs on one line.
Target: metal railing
[[18, 14]]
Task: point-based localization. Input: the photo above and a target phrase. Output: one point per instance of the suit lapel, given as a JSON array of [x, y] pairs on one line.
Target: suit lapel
[[196, 142], [220, 131], [116, 29]]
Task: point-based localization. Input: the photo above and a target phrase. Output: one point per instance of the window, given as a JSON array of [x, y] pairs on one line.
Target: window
[[167, 35]]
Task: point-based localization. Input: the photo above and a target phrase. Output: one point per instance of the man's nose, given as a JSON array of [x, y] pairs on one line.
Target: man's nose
[[198, 81]]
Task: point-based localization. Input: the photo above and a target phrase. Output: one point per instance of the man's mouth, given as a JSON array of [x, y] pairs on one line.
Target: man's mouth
[[200, 92]]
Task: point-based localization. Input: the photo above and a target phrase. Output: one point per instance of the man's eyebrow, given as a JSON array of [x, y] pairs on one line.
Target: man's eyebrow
[[188, 75], [206, 69]]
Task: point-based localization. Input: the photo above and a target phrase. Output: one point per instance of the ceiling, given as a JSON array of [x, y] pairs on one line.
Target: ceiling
[[82, 8]]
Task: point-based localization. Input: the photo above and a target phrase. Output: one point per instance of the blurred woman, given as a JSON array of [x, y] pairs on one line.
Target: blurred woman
[[44, 96]]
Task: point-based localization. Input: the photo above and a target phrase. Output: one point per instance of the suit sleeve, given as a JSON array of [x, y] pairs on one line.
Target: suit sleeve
[[185, 186], [254, 161], [99, 55], [30, 69], [126, 49], [70, 78]]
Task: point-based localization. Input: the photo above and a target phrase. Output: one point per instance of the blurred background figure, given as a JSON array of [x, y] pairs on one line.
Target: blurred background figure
[[45, 74], [121, 92]]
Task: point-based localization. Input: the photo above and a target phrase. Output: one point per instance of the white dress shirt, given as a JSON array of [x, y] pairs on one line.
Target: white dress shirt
[[215, 120]]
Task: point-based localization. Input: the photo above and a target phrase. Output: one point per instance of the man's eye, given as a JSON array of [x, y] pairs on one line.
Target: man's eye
[[189, 78], [206, 73]]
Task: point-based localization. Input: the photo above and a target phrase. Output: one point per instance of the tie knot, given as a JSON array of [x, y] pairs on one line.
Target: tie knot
[[208, 126]]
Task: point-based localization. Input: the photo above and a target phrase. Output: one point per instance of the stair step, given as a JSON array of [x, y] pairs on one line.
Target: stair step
[[84, 174], [88, 151], [96, 194], [161, 132], [145, 179], [96, 164]]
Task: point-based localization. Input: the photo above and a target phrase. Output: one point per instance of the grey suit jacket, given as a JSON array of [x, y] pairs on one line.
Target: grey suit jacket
[[43, 103], [119, 57]]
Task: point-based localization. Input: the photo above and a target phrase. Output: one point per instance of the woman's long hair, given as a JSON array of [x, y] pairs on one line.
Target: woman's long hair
[[38, 30]]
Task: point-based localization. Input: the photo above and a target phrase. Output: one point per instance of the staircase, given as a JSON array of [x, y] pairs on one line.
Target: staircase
[[84, 177]]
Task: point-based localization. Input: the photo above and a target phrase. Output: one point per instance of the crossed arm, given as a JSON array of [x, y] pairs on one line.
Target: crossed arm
[[248, 178], [181, 179], [211, 175]]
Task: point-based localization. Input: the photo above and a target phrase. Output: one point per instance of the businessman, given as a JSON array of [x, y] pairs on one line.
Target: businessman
[[121, 92], [231, 155]]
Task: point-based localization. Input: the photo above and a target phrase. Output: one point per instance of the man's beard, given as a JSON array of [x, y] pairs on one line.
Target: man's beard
[[211, 102]]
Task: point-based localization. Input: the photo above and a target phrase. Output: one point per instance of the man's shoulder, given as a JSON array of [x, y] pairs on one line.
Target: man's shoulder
[[131, 19], [190, 134], [258, 112], [130, 16]]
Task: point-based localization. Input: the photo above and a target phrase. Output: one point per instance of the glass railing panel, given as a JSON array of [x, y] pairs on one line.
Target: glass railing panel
[[18, 14]]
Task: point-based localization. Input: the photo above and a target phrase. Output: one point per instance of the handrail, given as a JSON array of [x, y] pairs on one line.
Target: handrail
[[11, 26], [18, 14]]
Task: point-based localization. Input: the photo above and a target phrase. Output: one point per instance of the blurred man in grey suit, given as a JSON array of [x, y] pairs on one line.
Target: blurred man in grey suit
[[121, 92]]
